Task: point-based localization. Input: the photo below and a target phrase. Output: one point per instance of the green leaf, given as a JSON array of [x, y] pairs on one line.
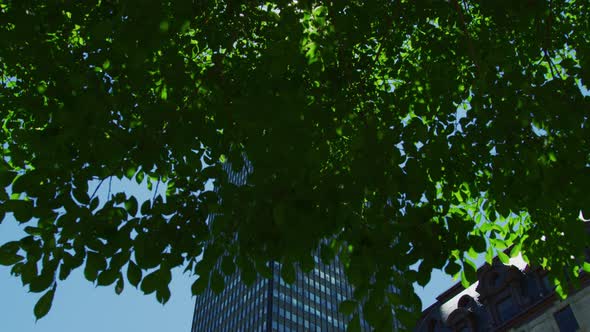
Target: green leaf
[[424, 274], [354, 325], [472, 253], [199, 286], [146, 207], [288, 273], [306, 264], [452, 268], [23, 183], [227, 265], [94, 203], [130, 172], [150, 283], [119, 259], [23, 210], [133, 274], [163, 294], [28, 272], [469, 273], [8, 254], [217, 282], [81, 195], [43, 305], [407, 318], [139, 177], [131, 206], [347, 307], [107, 277], [42, 282], [120, 285], [6, 178], [64, 271], [94, 263], [33, 230], [264, 269], [248, 274], [489, 255], [279, 213], [516, 249], [164, 92], [503, 257], [560, 291]]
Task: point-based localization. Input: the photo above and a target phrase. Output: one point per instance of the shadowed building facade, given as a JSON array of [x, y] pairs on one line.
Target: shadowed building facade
[[309, 304]]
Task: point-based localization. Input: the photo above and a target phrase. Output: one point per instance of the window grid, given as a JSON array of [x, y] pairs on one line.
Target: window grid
[[310, 303]]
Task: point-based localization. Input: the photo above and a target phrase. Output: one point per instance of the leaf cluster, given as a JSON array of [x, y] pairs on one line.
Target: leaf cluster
[[387, 133]]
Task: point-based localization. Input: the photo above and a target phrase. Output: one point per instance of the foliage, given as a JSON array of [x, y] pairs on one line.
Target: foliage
[[403, 131]]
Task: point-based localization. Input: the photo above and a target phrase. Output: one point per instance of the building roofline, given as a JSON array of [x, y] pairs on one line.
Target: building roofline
[[458, 287]]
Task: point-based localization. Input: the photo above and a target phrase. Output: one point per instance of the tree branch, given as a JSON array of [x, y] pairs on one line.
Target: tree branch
[[156, 191], [110, 182], [97, 187]]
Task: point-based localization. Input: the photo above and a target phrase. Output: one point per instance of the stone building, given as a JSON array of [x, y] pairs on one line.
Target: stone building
[[514, 297]]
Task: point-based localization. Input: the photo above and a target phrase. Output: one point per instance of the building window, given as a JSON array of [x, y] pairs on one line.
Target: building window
[[506, 309], [566, 320]]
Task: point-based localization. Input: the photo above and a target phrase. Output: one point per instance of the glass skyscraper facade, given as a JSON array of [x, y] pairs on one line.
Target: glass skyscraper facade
[[309, 304]]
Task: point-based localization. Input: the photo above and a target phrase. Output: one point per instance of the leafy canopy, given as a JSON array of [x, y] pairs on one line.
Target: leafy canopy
[[404, 132]]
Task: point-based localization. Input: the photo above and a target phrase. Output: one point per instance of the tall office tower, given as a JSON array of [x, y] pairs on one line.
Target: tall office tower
[[309, 304]]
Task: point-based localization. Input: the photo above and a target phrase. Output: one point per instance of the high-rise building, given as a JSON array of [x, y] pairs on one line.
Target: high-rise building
[[309, 304]]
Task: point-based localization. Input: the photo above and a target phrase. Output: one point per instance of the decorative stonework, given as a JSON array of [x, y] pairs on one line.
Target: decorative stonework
[[505, 297]]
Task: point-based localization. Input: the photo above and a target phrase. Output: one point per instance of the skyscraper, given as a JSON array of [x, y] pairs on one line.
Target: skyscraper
[[309, 304]]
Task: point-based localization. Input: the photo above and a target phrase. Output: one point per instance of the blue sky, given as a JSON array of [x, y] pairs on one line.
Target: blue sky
[[80, 306]]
